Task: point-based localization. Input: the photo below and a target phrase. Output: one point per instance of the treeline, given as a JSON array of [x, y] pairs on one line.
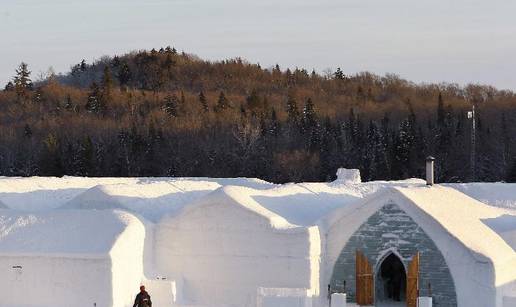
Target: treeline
[[165, 113]]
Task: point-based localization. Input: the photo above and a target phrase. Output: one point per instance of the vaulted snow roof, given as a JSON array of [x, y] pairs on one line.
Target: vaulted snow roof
[[46, 193], [495, 194], [300, 204], [65, 233], [478, 226], [474, 223], [292, 205], [153, 198]]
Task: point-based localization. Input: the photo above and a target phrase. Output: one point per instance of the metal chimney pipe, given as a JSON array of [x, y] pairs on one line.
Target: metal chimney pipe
[[430, 170]]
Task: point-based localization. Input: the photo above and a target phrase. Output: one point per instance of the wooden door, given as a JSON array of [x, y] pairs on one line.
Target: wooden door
[[413, 281], [364, 280]]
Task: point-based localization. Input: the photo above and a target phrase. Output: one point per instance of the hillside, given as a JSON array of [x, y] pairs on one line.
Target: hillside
[[164, 113]]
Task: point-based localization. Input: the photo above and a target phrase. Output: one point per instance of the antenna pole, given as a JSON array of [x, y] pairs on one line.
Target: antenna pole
[[473, 143]]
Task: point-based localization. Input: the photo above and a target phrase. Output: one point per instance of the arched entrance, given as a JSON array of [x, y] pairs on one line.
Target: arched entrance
[[391, 230], [391, 281]]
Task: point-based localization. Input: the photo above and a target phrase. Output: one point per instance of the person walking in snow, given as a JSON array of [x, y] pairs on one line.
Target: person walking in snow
[[142, 298]]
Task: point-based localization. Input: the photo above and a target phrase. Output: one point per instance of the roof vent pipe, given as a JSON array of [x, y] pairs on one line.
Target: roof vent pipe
[[430, 170]]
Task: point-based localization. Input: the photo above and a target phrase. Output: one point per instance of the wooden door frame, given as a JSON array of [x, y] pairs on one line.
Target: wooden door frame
[[414, 264], [367, 296]]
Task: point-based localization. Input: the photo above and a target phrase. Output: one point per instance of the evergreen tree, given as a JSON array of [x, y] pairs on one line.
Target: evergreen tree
[[222, 103], [50, 163], [404, 145], [309, 120], [274, 126], [115, 62], [204, 102], [94, 103], [124, 75], [339, 75], [511, 175], [22, 81], [169, 62], [253, 101], [84, 163], [506, 140], [171, 106], [441, 114], [376, 154], [292, 111], [83, 65], [107, 85], [9, 87]]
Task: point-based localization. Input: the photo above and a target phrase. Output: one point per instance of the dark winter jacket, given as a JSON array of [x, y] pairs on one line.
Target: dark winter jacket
[[142, 300]]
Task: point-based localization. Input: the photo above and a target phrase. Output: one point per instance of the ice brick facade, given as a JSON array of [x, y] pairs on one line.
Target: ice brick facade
[[391, 229]]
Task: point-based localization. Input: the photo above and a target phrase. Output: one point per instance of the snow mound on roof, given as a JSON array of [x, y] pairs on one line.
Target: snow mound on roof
[[346, 175], [98, 197], [63, 233], [152, 198], [495, 194], [46, 193], [302, 204], [238, 197]]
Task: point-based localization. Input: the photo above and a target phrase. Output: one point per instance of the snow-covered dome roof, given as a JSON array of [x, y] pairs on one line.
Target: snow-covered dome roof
[[152, 198], [64, 233], [296, 204], [301, 204]]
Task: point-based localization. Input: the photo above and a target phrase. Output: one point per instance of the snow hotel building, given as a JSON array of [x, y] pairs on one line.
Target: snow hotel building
[[246, 242]]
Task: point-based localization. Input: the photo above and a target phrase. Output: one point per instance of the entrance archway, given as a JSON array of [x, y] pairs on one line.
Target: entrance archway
[[391, 282], [369, 238]]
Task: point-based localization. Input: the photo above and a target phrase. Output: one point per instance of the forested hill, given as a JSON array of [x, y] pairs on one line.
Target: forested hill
[[164, 113]]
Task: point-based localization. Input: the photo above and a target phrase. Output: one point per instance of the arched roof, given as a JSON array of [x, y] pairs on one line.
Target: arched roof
[[469, 234], [239, 198], [65, 233]]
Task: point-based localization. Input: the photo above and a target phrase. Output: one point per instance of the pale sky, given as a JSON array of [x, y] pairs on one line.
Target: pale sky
[[457, 41]]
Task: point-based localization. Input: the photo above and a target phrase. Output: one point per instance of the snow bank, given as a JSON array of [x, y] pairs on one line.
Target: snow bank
[[284, 297]]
